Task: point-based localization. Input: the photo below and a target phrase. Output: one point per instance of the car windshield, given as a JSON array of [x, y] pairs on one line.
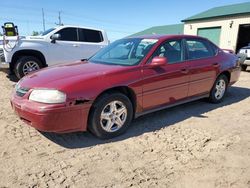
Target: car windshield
[[47, 31], [127, 52]]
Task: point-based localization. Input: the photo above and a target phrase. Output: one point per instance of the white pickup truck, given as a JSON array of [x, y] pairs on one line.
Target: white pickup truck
[[56, 45], [245, 50]]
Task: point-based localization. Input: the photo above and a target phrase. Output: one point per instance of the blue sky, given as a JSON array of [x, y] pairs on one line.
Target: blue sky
[[118, 18]]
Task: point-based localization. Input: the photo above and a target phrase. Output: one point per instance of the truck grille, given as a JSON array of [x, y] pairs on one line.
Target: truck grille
[[1, 56]]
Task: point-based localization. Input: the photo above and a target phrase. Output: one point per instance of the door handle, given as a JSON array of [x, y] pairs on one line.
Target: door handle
[[75, 45], [185, 71], [215, 64]]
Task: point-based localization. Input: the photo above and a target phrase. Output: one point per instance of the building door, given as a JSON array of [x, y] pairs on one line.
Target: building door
[[243, 36], [212, 33]]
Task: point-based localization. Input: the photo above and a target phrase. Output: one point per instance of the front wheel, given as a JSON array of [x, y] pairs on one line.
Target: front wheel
[[26, 65], [219, 89], [110, 115]]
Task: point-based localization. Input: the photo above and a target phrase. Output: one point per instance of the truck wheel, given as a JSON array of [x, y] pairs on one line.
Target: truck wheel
[[219, 89], [26, 65], [110, 116], [243, 67]]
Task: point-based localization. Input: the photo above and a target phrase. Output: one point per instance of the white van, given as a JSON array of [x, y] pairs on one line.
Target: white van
[[56, 45]]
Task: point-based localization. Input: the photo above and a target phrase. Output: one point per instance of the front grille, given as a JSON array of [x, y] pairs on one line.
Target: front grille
[[1, 56], [22, 91]]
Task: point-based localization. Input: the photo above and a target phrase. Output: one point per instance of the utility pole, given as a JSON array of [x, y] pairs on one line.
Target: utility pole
[[59, 18], [43, 20]]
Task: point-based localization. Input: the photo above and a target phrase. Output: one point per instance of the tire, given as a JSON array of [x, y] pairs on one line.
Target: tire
[[221, 83], [243, 67], [26, 65], [104, 126]]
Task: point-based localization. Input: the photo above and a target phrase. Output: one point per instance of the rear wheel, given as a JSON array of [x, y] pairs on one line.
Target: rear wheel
[[219, 89], [26, 65], [243, 67], [110, 116]]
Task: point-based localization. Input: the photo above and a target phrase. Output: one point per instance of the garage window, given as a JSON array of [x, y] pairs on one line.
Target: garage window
[[212, 33]]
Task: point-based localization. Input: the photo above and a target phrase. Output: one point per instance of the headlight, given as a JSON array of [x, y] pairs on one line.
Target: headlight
[[48, 96]]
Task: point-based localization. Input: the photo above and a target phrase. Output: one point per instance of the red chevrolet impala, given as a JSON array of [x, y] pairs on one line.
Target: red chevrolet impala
[[129, 78]]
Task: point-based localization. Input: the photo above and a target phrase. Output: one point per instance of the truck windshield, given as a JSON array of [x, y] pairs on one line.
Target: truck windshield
[[127, 52], [47, 31]]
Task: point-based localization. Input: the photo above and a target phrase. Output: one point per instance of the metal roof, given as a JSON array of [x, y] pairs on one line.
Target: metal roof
[[165, 29], [223, 11]]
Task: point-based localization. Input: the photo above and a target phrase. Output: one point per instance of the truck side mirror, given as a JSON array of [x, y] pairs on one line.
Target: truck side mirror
[[55, 37]]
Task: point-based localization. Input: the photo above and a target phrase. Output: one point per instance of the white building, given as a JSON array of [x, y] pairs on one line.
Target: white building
[[227, 26]]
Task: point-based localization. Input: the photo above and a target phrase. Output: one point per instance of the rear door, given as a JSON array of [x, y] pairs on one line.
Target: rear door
[[203, 64], [90, 41], [166, 84]]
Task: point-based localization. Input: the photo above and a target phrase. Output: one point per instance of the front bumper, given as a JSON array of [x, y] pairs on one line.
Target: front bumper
[[247, 62], [59, 118], [4, 65]]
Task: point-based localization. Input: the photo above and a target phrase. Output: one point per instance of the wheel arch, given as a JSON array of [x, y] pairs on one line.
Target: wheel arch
[[227, 74], [129, 92], [34, 53]]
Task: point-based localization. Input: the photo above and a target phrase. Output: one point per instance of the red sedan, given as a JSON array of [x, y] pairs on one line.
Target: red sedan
[[129, 78]]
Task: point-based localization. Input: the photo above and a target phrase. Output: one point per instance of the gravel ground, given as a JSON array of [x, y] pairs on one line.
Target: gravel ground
[[193, 145]]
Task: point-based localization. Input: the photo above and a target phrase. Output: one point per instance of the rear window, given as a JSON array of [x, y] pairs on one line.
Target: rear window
[[89, 35]]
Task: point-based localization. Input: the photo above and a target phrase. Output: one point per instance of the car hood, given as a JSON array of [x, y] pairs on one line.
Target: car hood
[[62, 76]]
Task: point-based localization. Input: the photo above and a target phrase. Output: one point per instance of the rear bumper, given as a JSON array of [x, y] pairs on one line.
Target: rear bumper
[[51, 118], [235, 75]]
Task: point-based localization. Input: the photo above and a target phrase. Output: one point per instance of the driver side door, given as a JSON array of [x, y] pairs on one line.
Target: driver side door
[[166, 84], [67, 48]]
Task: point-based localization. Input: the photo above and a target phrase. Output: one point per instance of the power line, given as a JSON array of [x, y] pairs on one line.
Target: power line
[[77, 16], [73, 17]]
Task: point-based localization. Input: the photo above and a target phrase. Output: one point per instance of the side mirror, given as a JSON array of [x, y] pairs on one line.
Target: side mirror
[[55, 37], [158, 62]]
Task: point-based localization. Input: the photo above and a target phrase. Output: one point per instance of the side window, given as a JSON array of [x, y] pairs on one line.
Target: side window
[[88, 35], [214, 48], [68, 34], [172, 50], [198, 49]]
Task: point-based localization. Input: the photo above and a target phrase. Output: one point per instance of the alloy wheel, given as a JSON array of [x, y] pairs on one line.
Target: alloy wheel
[[220, 89], [30, 66], [113, 116]]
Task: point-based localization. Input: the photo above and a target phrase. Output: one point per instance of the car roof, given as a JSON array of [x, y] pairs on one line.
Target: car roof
[[82, 27], [164, 37]]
